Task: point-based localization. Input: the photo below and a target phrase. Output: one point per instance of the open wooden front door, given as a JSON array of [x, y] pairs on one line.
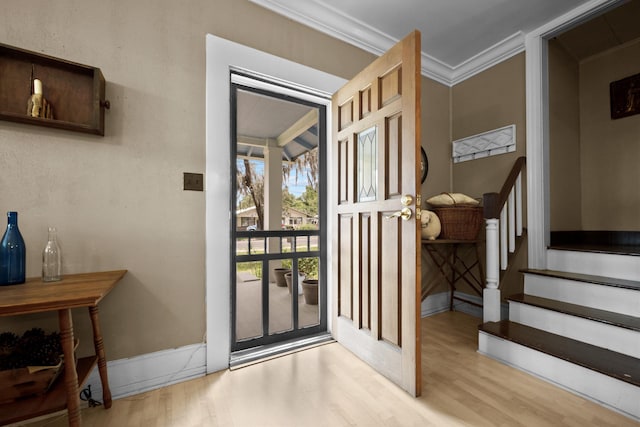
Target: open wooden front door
[[376, 250]]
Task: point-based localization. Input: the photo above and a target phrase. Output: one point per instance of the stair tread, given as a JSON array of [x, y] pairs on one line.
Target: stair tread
[[617, 365], [587, 278], [603, 316]]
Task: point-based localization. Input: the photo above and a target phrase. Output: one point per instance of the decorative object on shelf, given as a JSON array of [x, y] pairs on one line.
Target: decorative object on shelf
[[625, 97], [430, 225], [491, 143], [30, 364], [424, 165], [460, 215], [76, 91], [38, 106], [12, 253], [52, 258], [459, 222], [451, 199]]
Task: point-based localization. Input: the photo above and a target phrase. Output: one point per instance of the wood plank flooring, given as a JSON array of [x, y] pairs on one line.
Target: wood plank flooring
[[328, 386]]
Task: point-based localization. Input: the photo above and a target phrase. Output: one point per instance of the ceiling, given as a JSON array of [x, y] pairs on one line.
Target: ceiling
[[611, 29], [459, 37]]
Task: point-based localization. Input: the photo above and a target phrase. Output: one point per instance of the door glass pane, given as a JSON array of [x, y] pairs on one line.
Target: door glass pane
[[367, 164], [280, 318], [249, 299], [309, 296]]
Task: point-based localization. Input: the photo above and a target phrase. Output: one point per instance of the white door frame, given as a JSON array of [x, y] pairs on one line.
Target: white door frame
[[222, 56], [537, 125]]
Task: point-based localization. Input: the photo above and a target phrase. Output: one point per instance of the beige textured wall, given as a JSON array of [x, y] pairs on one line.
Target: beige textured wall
[[610, 149], [564, 140], [487, 101], [436, 134], [117, 200]]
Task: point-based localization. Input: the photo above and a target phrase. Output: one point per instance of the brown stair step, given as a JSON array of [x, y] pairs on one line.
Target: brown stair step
[[620, 366], [603, 316], [586, 278]]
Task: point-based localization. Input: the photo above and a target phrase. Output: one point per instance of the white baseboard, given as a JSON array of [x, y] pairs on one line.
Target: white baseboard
[[434, 304], [150, 371], [465, 307], [438, 303]]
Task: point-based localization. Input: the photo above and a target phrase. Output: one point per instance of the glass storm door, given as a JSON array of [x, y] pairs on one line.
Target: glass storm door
[[278, 272]]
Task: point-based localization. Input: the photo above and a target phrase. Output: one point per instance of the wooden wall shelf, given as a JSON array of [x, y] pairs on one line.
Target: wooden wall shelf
[[76, 91]]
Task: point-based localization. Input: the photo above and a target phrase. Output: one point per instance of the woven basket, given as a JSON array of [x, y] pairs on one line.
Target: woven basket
[[459, 222]]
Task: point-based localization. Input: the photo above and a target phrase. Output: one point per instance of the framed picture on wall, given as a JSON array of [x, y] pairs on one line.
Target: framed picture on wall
[[625, 97]]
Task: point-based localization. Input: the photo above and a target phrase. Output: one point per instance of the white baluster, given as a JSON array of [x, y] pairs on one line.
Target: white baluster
[[519, 204], [503, 237], [512, 221]]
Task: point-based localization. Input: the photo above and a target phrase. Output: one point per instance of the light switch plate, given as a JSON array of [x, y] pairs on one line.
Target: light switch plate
[[193, 181]]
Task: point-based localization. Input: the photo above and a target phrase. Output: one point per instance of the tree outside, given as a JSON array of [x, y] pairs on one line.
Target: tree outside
[[302, 171]]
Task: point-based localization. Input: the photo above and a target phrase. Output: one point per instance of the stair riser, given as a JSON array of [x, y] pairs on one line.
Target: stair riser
[[614, 338], [610, 298], [598, 264], [618, 395]]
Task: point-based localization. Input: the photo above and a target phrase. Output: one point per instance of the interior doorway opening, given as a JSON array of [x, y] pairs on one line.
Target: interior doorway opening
[[278, 266]]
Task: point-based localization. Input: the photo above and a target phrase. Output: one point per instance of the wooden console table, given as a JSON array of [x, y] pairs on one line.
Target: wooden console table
[[73, 291], [453, 268]]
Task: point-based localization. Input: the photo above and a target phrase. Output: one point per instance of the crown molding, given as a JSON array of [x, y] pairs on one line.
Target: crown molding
[[489, 57], [357, 33]]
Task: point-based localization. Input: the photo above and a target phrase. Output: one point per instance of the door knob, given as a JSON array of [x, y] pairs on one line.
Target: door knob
[[405, 214], [406, 200]]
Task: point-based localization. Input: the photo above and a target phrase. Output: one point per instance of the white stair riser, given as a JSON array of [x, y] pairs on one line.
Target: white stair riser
[[610, 298], [600, 334], [597, 264], [617, 395]]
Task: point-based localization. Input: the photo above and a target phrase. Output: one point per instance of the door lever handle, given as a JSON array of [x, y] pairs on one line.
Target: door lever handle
[[405, 214]]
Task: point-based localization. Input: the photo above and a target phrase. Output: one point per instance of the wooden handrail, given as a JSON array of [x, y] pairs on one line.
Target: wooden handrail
[[494, 202]]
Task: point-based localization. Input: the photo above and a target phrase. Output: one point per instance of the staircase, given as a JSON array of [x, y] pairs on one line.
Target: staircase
[[577, 324], [579, 331]]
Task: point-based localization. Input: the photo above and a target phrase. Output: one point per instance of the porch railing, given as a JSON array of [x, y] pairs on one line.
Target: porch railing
[[503, 217]]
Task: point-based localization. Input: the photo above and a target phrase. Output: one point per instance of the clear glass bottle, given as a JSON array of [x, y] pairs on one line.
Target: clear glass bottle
[[52, 258], [12, 253]]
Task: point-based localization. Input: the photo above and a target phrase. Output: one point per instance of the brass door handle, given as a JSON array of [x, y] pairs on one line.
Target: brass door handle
[[405, 214]]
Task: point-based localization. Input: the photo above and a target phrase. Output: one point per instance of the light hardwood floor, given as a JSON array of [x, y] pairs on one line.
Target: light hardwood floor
[[328, 386]]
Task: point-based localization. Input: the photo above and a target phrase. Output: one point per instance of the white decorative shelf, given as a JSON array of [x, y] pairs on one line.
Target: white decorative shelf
[[491, 143]]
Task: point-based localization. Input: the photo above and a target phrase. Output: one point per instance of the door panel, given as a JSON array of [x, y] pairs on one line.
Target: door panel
[[364, 271], [346, 266], [393, 156], [376, 270], [389, 285]]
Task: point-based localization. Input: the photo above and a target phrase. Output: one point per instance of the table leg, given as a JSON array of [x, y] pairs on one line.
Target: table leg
[[102, 362], [452, 284], [70, 374]]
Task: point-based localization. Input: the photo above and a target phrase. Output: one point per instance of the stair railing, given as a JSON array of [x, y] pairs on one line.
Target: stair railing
[[503, 218]]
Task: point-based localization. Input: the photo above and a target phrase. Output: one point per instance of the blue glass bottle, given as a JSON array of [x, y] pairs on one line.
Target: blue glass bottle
[[12, 253]]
